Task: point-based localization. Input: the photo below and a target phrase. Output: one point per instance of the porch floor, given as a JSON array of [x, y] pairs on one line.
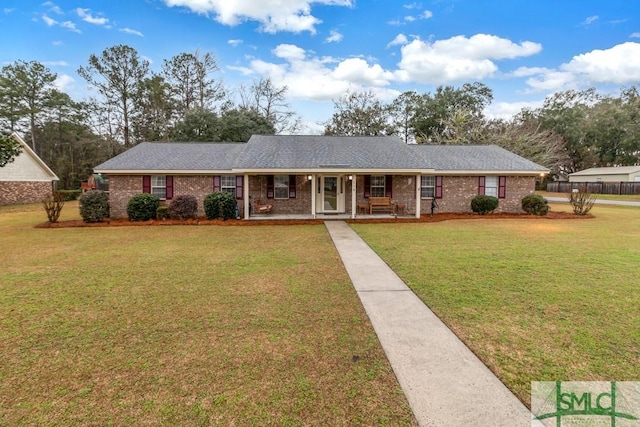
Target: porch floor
[[325, 217]]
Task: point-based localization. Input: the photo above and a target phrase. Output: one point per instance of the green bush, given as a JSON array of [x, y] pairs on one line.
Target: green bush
[[220, 205], [70, 195], [484, 204], [535, 205], [142, 207], [184, 207], [162, 212], [94, 206]]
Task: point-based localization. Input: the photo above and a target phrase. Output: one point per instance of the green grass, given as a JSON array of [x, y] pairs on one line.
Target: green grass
[[184, 326], [535, 299]]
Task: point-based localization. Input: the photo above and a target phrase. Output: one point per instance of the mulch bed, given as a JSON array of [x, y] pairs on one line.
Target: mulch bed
[[362, 220]]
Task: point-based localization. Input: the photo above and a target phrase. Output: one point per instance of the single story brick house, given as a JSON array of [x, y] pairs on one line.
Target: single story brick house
[[323, 175], [27, 179]]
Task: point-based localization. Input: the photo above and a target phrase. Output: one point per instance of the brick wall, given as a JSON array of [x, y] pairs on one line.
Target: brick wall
[[123, 187], [457, 192], [14, 192], [300, 205]]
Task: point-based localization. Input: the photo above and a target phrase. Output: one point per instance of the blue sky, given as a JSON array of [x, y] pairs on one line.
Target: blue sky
[[523, 50]]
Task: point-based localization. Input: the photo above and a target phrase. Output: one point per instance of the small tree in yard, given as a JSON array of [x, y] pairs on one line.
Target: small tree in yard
[[94, 206], [482, 204], [53, 206], [220, 205], [142, 207], [183, 207], [581, 202]]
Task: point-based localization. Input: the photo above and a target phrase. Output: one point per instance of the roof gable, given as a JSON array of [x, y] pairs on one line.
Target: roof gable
[[27, 166]]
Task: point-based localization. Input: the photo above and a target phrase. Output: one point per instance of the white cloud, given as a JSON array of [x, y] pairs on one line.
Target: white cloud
[[86, 16], [8, 10], [414, 5], [235, 42], [55, 63], [618, 65], [274, 15], [458, 58], [427, 14], [357, 70], [70, 26], [63, 81], [635, 35], [400, 39], [53, 7], [56, 43], [506, 110], [334, 37], [49, 21], [331, 77], [133, 32], [590, 20], [410, 18]]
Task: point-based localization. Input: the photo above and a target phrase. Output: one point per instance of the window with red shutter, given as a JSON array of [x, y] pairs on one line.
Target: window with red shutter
[[292, 186], [169, 187], [438, 187], [239, 187], [217, 185], [367, 186], [481, 180], [502, 187], [270, 187], [388, 186]]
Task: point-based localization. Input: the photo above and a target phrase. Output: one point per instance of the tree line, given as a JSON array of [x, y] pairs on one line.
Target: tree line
[[185, 101], [571, 131]]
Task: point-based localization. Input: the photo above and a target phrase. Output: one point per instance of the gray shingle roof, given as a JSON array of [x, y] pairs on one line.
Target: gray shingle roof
[[175, 156], [314, 151], [474, 158], [298, 152]]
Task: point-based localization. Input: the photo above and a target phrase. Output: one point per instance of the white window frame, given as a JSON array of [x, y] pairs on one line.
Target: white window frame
[[428, 187], [378, 185], [159, 186], [491, 186], [230, 185], [281, 187]]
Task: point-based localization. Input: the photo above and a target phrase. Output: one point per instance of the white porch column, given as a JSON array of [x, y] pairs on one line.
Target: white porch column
[[354, 191], [313, 195], [245, 196], [418, 193]]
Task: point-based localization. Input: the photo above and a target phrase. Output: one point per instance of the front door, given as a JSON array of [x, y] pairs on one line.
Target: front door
[[330, 194]]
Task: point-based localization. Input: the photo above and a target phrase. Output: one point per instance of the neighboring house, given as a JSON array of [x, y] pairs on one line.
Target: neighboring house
[[27, 179], [320, 175], [612, 174]]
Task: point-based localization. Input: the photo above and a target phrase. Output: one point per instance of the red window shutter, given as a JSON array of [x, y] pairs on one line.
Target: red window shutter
[[367, 186], [502, 187], [169, 186], [481, 185], [146, 183], [388, 186], [216, 183], [292, 186], [438, 187], [270, 187], [239, 187]]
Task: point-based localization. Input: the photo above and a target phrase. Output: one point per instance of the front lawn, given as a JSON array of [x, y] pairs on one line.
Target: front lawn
[[536, 300], [184, 326]]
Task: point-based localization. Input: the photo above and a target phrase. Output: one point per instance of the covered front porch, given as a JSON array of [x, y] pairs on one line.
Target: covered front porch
[[331, 194]]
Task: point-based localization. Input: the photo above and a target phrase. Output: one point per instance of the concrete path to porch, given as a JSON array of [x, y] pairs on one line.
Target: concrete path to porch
[[444, 382]]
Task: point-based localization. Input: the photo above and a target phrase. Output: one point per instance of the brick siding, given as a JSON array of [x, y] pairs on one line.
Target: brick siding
[[14, 192], [457, 192]]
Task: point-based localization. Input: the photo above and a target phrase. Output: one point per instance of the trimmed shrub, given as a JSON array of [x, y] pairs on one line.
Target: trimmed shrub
[[484, 204], [183, 207], [70, 195], [535, 205], [53, 206], [581, 202], [142, 207], [94, 206], [220, 205], [162, 212]]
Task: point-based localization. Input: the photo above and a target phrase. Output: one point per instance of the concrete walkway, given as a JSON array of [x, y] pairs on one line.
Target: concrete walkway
[[445, 383]]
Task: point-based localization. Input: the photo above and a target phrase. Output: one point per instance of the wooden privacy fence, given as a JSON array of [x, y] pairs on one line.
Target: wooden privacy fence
[[599, 187]]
